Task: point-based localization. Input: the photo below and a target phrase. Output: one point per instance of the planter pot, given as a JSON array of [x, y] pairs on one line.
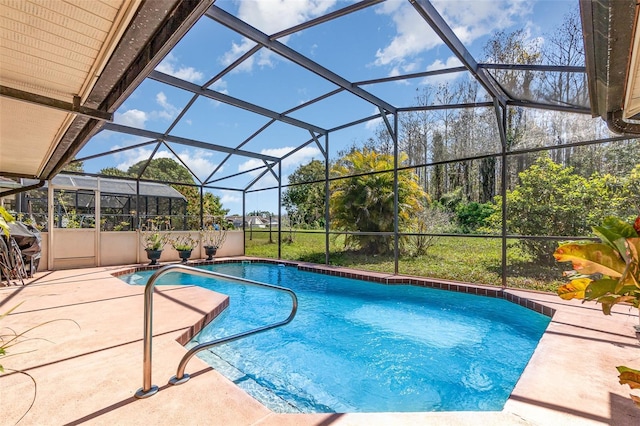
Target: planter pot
[[210, 251], [184, 255], [153, 256]]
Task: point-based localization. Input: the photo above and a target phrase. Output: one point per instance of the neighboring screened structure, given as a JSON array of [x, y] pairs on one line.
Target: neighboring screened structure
[[123, 207]]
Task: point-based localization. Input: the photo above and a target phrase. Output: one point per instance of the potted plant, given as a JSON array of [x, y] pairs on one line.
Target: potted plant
[[153, 237], [213, 236], [607, 272], [183, 244]]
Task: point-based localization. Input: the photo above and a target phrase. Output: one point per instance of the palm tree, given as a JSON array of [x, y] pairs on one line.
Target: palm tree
[[364, 202]]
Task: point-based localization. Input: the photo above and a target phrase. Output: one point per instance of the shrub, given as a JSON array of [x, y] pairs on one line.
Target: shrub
[[551, 199], [473, 216]]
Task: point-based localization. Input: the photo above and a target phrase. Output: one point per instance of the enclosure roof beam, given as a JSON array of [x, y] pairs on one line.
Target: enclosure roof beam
[[148, 160], [412, 75], [552, 107], [446, 106], [246, 55], [75, 107], [314, 100], [535, 67], [184, 141], [444, 31], [301, 146], [270, 168], [326, 18], [221, 164], [230, 100], [354, 123], [318, 144], [244, 172], [182, 162], [253, 182], [114, 151], [252, 33]]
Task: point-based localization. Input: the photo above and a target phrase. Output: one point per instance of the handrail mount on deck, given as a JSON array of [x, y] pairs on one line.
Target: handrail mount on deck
[[147, 388]]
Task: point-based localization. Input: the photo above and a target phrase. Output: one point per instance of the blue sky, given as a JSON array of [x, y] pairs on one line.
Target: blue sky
[[380, 41]]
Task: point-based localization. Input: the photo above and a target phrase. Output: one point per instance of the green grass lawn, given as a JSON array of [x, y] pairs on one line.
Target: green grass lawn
[[472, 260]]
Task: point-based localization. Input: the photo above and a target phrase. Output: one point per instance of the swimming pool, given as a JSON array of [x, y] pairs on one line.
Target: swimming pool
[[357, 346]]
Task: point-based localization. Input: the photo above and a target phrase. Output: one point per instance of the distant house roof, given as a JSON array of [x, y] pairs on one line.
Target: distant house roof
[[113, 186]]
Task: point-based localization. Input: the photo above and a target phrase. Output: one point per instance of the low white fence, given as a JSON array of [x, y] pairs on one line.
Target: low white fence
[[82, 248]]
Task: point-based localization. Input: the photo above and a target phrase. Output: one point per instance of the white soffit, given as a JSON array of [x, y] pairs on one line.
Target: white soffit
[[632, 95], [55, 49]]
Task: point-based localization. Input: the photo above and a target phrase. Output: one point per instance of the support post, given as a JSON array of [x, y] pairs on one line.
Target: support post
[[326, 199], [201, 207], [501, 114], [244, 222], [396, 200], [279, 211]]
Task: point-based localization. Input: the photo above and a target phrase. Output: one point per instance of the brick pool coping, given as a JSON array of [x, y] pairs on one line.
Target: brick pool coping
[[377, 277]]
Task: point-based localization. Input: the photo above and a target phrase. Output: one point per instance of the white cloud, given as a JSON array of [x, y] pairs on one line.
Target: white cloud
[[413, 35], [373, 124], [132, 117], [168, 110], [469, 20], [271, 16], [220, 86], [451, 62], [133, 156], [235, 52], [169, 65], [138, 119], [473, 19], [302, 156], [230, 197], [251, 164], [199, 162]]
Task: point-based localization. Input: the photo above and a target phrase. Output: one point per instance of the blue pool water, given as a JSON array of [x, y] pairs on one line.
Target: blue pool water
[[358, 346]]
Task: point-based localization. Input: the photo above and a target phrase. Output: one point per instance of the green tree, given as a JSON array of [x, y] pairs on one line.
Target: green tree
[[621, 157], [212, 207], [472, 216], [162, 169], [306, 201], [551, 199], [113, 171], [632, 188], [169, 170], [365, 202], [74, 166]]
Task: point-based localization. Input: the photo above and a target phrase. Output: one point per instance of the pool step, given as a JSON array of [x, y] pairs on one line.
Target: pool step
[[259, 391]]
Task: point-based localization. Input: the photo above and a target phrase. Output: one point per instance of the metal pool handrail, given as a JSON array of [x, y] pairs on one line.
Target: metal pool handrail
[[147, 388]]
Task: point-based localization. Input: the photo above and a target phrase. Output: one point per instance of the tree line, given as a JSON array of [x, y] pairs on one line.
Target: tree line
[[451, 168]]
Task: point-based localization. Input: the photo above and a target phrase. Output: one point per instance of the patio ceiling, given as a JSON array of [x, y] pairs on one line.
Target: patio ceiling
[[66, 66], [66, 70]]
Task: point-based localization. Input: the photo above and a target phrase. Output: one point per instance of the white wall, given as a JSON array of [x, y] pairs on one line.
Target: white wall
[[81, 248]]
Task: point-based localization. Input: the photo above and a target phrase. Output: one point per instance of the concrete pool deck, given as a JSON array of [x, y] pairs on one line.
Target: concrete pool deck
[[87, 371]]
